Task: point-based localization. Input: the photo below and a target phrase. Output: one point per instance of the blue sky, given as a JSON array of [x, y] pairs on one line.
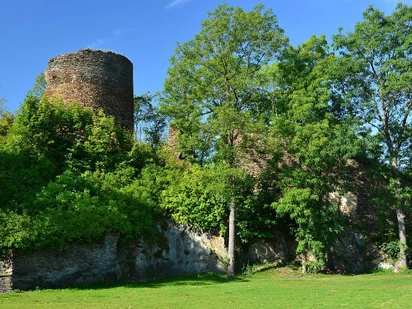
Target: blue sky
[[145, 31]]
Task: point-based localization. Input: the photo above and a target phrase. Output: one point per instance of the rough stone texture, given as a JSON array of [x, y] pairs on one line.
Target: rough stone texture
[[96, 79], [177, 251], [348, 202], [6, 285], [75, 265], [6, 264], [362, 211], [267, 251], [172, 140], [6, 270], [352, 253]]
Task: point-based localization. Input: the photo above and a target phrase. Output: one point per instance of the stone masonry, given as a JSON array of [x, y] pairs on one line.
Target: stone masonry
[[96, 79]]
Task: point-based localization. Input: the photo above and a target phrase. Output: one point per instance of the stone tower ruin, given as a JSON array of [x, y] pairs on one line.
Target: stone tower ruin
[[94, 78]]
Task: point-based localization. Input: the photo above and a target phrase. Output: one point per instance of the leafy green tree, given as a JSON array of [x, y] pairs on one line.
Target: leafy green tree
[[199, 196], [315, 146], [6, 119], [67, 175], [80, 207], [376, 85], [149, 123], [39, 87], [21, 177], [213, 92], [67, 133]]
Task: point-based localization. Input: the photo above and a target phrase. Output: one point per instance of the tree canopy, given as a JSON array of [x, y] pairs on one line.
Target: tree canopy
[[376, 84], [214, 93], [68, 174], [266, 133]]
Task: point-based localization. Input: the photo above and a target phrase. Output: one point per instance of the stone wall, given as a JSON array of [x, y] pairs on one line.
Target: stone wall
[[75, 265], [6, 285], [96, 79], [180, 250], [352, 252], [177, 250], [261, 251], [6, 270]]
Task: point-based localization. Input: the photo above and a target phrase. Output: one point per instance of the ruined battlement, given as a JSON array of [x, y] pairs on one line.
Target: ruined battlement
[[94, 78]]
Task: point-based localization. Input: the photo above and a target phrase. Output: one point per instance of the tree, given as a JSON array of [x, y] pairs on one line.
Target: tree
[[149, 124], [2, 101], [39, 87], [214, 93], [6, 119], [315, 145], [68, 133], [375, 75], [68, 174]]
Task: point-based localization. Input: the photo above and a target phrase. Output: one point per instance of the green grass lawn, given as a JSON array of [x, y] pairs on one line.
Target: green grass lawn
[[275, 288]]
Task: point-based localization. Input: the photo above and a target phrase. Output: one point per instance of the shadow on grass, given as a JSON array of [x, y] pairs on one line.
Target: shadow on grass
[[190, 280]]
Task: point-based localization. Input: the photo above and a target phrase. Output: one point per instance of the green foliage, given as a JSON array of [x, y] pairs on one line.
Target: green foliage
[[214, 94], [21, 177], [6, 119], [78, 207], [213, 88], [392, 249], [199, 196], [316, 146], [69, 134], [264, 130], [69, 175], [149, 123], [374, 78], [39, 87]]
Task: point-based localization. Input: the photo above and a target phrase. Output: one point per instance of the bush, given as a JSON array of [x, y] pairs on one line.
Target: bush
[[69, 175]]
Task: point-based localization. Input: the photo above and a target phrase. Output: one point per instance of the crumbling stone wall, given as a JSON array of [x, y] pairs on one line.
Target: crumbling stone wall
[[74, 265], [180, 250], [173, 142], [177, 250], [6, 270], [96, 79]]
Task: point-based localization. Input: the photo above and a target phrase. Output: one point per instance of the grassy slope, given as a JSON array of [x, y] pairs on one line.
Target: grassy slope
[[281, 288]]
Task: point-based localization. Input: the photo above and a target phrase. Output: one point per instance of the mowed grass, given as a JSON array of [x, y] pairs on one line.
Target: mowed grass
[[275, 288]]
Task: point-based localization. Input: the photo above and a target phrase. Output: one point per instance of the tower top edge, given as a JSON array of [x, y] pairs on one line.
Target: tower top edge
[[89, 52]]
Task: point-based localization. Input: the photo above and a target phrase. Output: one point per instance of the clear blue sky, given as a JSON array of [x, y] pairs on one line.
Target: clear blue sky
[[145, 31]]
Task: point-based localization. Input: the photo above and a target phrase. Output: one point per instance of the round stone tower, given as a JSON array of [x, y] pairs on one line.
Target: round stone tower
[[96, 79]]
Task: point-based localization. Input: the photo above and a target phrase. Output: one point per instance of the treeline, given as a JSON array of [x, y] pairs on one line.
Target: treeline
[[264, 133]]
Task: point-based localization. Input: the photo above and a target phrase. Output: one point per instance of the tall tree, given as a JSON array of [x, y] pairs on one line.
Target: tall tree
[[149, 124], [214, 92], [376, 84], [315, 145]]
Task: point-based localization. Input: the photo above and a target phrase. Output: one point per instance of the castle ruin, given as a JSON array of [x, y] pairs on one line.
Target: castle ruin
[[94, 78]]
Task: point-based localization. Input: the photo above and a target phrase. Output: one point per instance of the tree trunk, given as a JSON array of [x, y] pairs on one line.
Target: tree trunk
[[402, 261], [231, 241], [400, 215]]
